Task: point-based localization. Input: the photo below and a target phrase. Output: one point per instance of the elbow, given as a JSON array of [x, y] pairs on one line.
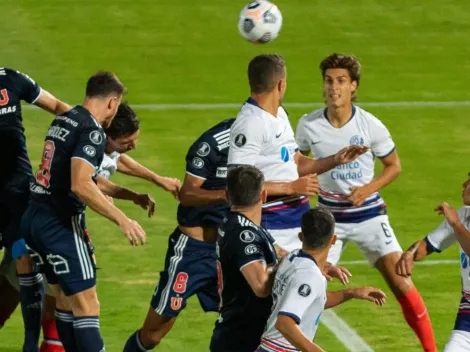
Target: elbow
[[261, 291], [185, 199], [78, 189]]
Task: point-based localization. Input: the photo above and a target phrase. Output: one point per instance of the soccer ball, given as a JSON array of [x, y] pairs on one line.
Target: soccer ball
[[260, 21]]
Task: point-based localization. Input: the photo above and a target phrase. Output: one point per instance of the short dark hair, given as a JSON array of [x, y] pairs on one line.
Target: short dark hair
[[244, 185], [103, 84], [264, 72], [124, 124], [318, 226], [347, 62]]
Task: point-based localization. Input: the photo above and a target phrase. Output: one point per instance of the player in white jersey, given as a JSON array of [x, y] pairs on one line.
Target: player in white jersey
[[300, 290], [351, 192], [455, 228], [263, 137]]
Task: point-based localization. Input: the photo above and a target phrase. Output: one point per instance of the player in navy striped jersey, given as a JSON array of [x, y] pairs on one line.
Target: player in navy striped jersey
[[455, 228], [190, 263], [15, 179]]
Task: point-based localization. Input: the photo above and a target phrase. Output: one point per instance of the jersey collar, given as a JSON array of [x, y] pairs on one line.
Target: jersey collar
[[302, 254], [353, 113], [253, 102]]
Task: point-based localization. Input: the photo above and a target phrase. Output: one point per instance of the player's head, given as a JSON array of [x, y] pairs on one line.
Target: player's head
[[104, 92], [341, 75], [245, 187], [267, 75], [318, 226], [466, 191], [123, 132]]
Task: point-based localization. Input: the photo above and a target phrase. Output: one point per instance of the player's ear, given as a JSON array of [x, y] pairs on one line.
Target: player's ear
[[264, 195], [333, 240], [353, 86], [301, 236]]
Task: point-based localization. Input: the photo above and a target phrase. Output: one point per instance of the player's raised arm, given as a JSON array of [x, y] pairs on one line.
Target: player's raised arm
[[453, 218], [371, 294], [50, 103], [145, 201], [129, 166]]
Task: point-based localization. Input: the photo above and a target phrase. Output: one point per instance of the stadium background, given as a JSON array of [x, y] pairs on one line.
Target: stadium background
[[413, 53]]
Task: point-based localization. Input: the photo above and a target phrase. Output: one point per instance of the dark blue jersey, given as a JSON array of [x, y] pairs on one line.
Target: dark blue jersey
[[14, 87], [243, 315], [207, 159], [76, 134]]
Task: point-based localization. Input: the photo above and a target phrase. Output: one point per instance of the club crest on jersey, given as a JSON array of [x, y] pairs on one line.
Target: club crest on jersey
[[198, 163], [247, 236], [204, 149], [356, 140], [251, 249], [240, 140], [89, 150], [304, 290], [96, 137]]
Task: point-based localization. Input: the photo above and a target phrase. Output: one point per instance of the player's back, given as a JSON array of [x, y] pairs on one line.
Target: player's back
[[14, 87], [76, 134], [299, 291], [207, 159], [243, 315]]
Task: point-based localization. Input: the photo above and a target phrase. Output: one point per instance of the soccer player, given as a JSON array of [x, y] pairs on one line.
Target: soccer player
[[351, 192], [53, 223], [299, 292], [262, 136], [121, 137], [246, 261], [15, 179], [455, 228], [190, 263]]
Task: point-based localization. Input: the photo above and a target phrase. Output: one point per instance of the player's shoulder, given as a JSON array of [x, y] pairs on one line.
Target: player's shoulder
[[84, 118], [243, 229], [217, 133], [366, 116], [250, 113], [464, 212], [314, 117], [12, 77]]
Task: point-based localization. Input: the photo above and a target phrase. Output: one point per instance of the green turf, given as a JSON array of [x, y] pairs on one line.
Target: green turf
[[190, 52]]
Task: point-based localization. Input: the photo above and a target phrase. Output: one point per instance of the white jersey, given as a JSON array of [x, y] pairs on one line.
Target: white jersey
[[109, 164], [442, 238], [260, 139], [316, 134], [299, 292]]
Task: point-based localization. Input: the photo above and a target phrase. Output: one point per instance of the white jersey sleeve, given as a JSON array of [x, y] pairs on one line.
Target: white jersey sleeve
[[247, 136], [301, 136], [302, 292], [443, 237], [381, 140]]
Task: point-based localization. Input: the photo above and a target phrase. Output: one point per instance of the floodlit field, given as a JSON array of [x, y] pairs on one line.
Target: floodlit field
[[413, 53]]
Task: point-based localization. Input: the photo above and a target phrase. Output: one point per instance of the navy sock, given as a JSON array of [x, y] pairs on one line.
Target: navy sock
[[87, 334], [31, 296], [134, 344], [64, 323]]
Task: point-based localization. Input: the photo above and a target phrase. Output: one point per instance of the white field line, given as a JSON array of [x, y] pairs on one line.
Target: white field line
[[425, 262], [222, 106], [347, 335]]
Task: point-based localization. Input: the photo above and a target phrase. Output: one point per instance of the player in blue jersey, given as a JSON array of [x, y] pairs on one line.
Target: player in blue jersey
[[247, 261], [190, 264], [15, 179], [53, 223]]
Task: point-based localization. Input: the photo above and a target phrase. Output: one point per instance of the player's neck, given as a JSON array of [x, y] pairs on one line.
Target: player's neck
[[95, 108], [251, 213], [319, 256], [339, 115], [267, 102]]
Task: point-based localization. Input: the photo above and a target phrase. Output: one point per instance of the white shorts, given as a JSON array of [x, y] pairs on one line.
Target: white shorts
[[287, 239], [374, 237], [459, 341]]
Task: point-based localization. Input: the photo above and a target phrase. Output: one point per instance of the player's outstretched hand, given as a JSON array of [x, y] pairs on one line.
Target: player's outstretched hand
[[172, 185], [405, 264], [133, 231], [450, 213], [348, 154], [306, 186], [370, 294], [146, 202], [342, 274]]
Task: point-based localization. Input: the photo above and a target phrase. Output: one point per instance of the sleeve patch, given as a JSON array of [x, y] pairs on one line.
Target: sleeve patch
[[198, 163], [304, 290], [204, 149], [96, 137], [247, 236], [251, 249], [240, 140], [89, 150]]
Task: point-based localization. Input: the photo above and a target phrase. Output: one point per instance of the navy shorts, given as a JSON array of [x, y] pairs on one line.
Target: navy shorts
[[14, 198], [60, 248], [190, 268]]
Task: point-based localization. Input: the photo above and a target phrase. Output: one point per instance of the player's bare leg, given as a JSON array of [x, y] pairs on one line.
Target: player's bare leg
[[31, 296], [155, 328], [9, 300], [413, 307]]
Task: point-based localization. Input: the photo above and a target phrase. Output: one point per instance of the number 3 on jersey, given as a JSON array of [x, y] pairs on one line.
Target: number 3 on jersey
[[43, 176]]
